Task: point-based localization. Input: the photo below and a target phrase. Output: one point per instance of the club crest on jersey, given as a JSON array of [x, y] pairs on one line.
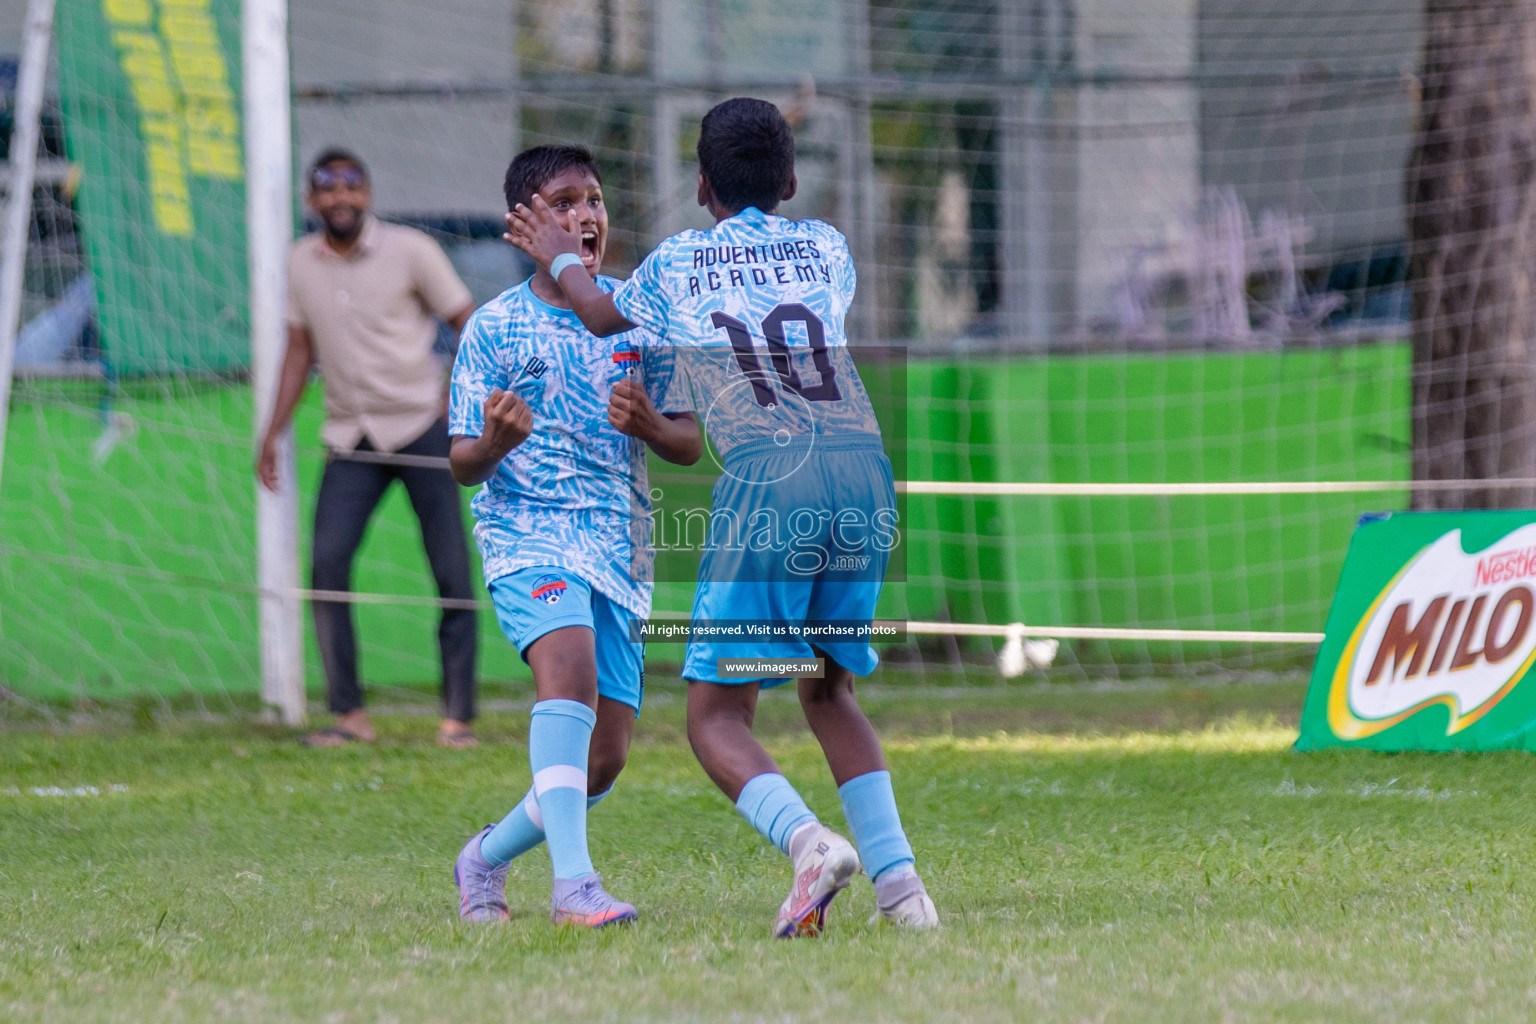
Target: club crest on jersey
[[535, 368], [548, 588], [626, 356]]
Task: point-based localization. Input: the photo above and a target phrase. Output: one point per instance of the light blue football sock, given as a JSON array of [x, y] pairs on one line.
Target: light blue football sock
[[870, 807], [559, 735], [773, 807], [521, 830]]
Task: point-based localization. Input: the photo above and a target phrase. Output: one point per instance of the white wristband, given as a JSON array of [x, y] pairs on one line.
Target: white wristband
[[564, 260]]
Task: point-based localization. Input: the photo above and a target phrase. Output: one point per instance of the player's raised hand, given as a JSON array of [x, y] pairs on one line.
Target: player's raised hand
[[541, 233], [508, 421], [630, 410]]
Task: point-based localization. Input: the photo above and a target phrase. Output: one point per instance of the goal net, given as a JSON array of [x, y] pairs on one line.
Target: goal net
[[1159, 243]]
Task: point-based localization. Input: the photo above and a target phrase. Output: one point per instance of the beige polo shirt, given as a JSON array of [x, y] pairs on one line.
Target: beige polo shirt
[[370, 316]]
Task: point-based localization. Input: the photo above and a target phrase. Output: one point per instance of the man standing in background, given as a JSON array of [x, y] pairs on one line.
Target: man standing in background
[[362, 297]]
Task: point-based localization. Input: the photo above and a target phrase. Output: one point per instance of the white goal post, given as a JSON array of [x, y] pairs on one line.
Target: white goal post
[[269, 217], [18, 196]]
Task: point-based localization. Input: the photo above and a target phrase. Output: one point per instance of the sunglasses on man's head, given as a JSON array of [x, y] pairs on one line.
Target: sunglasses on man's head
[[323, 179]]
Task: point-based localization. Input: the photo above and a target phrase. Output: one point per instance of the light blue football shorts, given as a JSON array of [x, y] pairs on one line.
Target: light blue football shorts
[[532, 602], [830, 571]]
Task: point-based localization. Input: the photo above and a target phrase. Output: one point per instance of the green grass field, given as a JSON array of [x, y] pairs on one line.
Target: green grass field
[[1136, 853]]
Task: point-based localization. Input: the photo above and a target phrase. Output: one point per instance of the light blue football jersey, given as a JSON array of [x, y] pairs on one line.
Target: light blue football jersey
[[756, 308], [574, 494]]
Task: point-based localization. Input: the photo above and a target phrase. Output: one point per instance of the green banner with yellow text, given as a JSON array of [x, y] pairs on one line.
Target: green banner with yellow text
[[1431, 638], [151, 96]]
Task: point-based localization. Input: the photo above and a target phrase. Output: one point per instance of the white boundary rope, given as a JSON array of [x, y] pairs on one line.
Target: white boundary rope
[[1049, 490], [963, 489], [1108, 633], [912, 627], [982, 489]]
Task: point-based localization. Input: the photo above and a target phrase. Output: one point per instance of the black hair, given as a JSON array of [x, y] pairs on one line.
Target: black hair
[[337, 155], [532, 169], [747, 154]]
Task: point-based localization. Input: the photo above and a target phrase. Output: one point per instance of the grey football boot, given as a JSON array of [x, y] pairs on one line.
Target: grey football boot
[[482, 887]]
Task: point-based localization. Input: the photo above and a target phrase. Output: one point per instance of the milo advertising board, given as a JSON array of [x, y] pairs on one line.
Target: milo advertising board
[[1431, 637]]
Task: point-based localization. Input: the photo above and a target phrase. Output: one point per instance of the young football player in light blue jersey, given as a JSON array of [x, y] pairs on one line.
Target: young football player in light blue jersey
[[755, 308], [555, 423]]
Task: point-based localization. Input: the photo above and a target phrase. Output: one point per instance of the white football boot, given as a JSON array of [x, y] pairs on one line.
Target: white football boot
[[904, 902], [826, 864]]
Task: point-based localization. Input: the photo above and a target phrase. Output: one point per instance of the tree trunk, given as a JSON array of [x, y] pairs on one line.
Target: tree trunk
[[1471, 213]]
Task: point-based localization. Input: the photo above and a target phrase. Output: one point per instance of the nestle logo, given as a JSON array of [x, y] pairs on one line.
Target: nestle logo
[[1504, 566], [535, 368]]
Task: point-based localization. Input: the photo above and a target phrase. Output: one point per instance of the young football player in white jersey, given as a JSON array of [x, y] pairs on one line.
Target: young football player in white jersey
[[555, 423], [756, 308]]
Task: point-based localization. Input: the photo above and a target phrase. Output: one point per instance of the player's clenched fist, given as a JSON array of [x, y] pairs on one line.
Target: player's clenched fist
[[508, 421], [630, 410]]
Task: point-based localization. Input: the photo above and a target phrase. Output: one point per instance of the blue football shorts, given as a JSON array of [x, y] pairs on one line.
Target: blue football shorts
[[834, 507], [532, 602]]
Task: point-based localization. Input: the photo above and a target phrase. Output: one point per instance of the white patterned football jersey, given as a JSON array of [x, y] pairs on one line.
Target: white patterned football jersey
[[756, 307], [574, 494]]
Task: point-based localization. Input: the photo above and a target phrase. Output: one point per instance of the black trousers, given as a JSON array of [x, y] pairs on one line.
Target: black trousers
[[350, 490]]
